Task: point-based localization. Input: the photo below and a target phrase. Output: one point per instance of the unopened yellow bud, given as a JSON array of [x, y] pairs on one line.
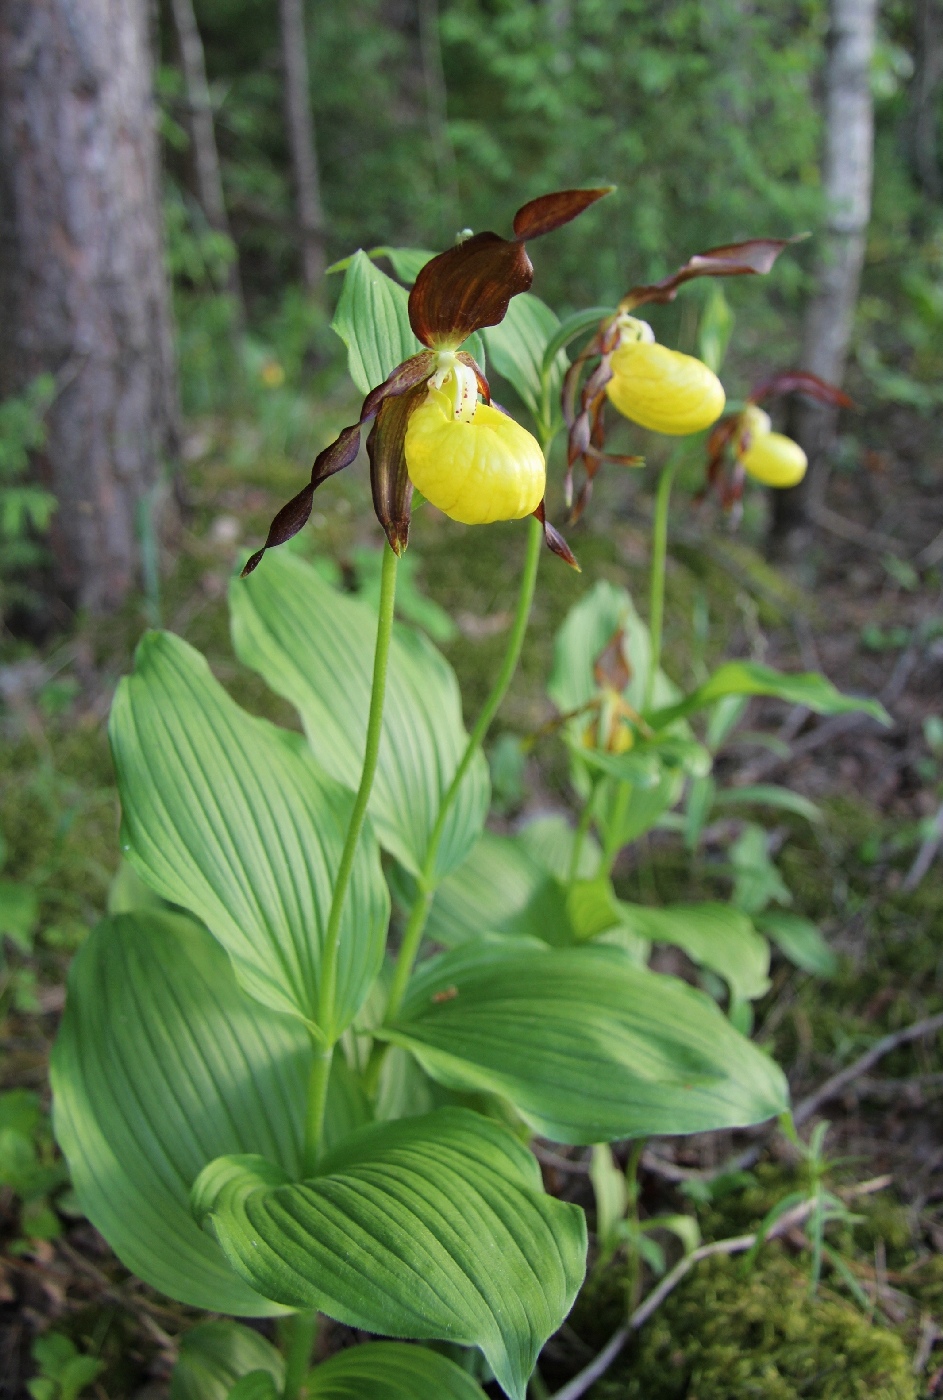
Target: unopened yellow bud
[[475, 468], [663, 390], [775, 460]]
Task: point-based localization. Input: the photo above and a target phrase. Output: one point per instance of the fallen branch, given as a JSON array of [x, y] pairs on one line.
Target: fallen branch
[[738, 1244], [930, 845], [833, 1086]]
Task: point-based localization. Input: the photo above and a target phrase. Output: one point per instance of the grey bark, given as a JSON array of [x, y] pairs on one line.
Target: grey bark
[[83, 290], [209, 180], [846, 179], [925, 95], [304, 158]]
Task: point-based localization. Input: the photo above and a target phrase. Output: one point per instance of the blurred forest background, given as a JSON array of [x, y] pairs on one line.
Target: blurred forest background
[[176, 179]]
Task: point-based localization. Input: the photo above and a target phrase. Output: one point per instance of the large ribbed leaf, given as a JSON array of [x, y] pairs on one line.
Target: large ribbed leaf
[[161, 1065], [500, 888], [372, 319], [750, 678], [516, 350], [315, 646], [715, 935], [433, 1227], [587, 1047], [391, 1371], [230, 817], [215, 1355]]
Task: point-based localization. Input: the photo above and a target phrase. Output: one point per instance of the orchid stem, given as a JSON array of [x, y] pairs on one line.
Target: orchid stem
[[302, 1333], [656, 603], [419, 913], [321, 1067]]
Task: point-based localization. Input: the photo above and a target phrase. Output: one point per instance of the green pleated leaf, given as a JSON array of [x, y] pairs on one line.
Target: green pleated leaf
[[516, 350], [215, 1356], [768, 795], [229, 817], [716, 936], [750, 678], [587, 631], [315, 647], [500, 888], [587, 1047], [426, 1228], [391, 1371], [372, 319], [255, 1385], [799, 940], [512, 884], [163, 1063]]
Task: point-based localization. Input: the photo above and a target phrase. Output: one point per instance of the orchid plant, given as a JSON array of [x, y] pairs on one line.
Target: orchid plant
[[274, 1101]]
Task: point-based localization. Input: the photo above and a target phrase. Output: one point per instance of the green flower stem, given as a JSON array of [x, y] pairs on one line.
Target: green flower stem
[[318, 1079], [656, 604], [579, 836], [613, 844], [300, 1332], [321, 1068], [412, 936]]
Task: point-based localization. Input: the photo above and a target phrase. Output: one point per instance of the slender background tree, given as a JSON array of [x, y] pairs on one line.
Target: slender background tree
[[304, 157], [83, 292], [846, 178]]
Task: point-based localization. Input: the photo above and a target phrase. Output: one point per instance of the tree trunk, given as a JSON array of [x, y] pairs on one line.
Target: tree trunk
[[304, 158], [209, 182], [925, 96], [847, 170], [83, 290]]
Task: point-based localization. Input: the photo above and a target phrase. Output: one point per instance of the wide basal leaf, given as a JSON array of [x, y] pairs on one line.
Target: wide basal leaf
[[391, 1371], [716, 936], [587, 1047], [516, 350], [799, 940], [230, 817], [511, 884], [750, 678], [214, 1356], [433, 1227], [769, 795], [315, 646], [372, 319], [161, 1065]]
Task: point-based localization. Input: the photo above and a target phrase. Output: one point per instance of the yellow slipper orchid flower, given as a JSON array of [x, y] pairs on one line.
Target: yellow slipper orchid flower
[[469, 460], [769, 457], [663, 389]]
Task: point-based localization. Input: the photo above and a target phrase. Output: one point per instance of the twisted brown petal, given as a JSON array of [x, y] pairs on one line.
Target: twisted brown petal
[[552, 211], [341, 452], [611, 668], [554, 540], [757, 255], [466, 288], [389, 481], [798, 381]]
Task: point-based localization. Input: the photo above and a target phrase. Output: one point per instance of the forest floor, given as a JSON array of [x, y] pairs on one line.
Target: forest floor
[[864, 605]]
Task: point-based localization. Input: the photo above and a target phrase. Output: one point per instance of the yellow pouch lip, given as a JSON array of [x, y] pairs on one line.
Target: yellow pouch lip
[[775, 460], [476, 472], [664, 390]]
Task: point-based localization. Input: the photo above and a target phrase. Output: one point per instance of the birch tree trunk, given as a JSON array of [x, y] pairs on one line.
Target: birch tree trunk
[[847, 172], [209, 181], [304, 158], [83, 290], [925, 96]]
